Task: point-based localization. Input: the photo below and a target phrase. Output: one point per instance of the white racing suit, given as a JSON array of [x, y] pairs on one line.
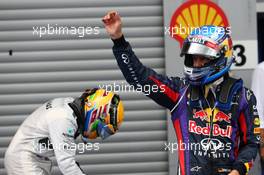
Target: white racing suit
[[49, 129]]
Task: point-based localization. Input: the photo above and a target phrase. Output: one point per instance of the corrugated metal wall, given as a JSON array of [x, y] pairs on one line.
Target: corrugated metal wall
[[34, 70]]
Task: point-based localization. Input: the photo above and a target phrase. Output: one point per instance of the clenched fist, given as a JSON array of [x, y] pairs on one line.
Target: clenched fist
[[113, 24]]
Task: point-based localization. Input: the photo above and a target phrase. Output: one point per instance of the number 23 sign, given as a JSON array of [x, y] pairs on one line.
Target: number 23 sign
[[246, 54]]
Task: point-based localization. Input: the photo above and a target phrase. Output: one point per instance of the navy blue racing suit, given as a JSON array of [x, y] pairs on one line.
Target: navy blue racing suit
[[219, 132]]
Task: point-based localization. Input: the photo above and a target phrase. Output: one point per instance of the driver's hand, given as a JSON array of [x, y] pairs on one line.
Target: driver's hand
[[113, 24]]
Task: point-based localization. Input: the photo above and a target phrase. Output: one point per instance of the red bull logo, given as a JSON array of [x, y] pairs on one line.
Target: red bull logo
[[216, 130], [221, 116], [204, 115]]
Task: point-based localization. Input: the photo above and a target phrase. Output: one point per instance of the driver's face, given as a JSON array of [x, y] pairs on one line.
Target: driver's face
[[199, 61]]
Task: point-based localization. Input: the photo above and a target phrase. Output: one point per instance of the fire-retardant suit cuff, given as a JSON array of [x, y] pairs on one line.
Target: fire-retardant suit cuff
[[120, 42], [240, 167]]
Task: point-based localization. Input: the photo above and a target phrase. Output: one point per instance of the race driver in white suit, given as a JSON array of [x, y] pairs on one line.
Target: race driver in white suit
[[54, 127]]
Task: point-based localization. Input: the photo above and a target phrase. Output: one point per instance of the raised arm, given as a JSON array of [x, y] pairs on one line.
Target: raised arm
[[163, 90]]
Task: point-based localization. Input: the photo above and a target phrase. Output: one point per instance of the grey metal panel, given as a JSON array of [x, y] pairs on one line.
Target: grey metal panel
[[142, 146], [26, 35], [117, 157], [32, 4], [76, 22], [119, 137], [246, 76], [4, 142], [76, 55], [52, 86], [9, 120], [145, 173], [105, 148], [84, 12], [64, 76], [127, 167], [43, 97], [27, 108], [59, 87], [51, 66], [54, 66], [148, 168], [138, 115], [8, 130], [2, 171], [75, 44], [130, 167]]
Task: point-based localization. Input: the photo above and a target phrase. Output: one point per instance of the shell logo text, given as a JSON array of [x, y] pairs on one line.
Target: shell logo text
[[194, 14]]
